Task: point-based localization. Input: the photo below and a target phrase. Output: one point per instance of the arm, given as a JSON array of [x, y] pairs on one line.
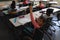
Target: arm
[[32, 18]]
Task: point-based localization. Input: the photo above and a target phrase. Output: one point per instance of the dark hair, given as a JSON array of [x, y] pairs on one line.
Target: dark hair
[[13, 5], [41, 17], [40, 1], [49, 11], [30, 4]]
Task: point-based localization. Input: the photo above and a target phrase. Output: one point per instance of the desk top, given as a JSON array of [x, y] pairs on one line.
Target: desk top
[[26, 19], [55, 9]]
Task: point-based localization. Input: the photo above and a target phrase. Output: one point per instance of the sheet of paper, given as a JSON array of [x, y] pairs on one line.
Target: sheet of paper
[[23, 20]]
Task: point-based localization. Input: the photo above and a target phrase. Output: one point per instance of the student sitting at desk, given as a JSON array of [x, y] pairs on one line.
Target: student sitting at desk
[[38, 24], [49, 14], [13, 5], [41, 5], [12, 9], [25, 2]]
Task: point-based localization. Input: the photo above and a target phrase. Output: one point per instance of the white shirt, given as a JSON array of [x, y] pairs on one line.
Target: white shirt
[[45, 16]]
